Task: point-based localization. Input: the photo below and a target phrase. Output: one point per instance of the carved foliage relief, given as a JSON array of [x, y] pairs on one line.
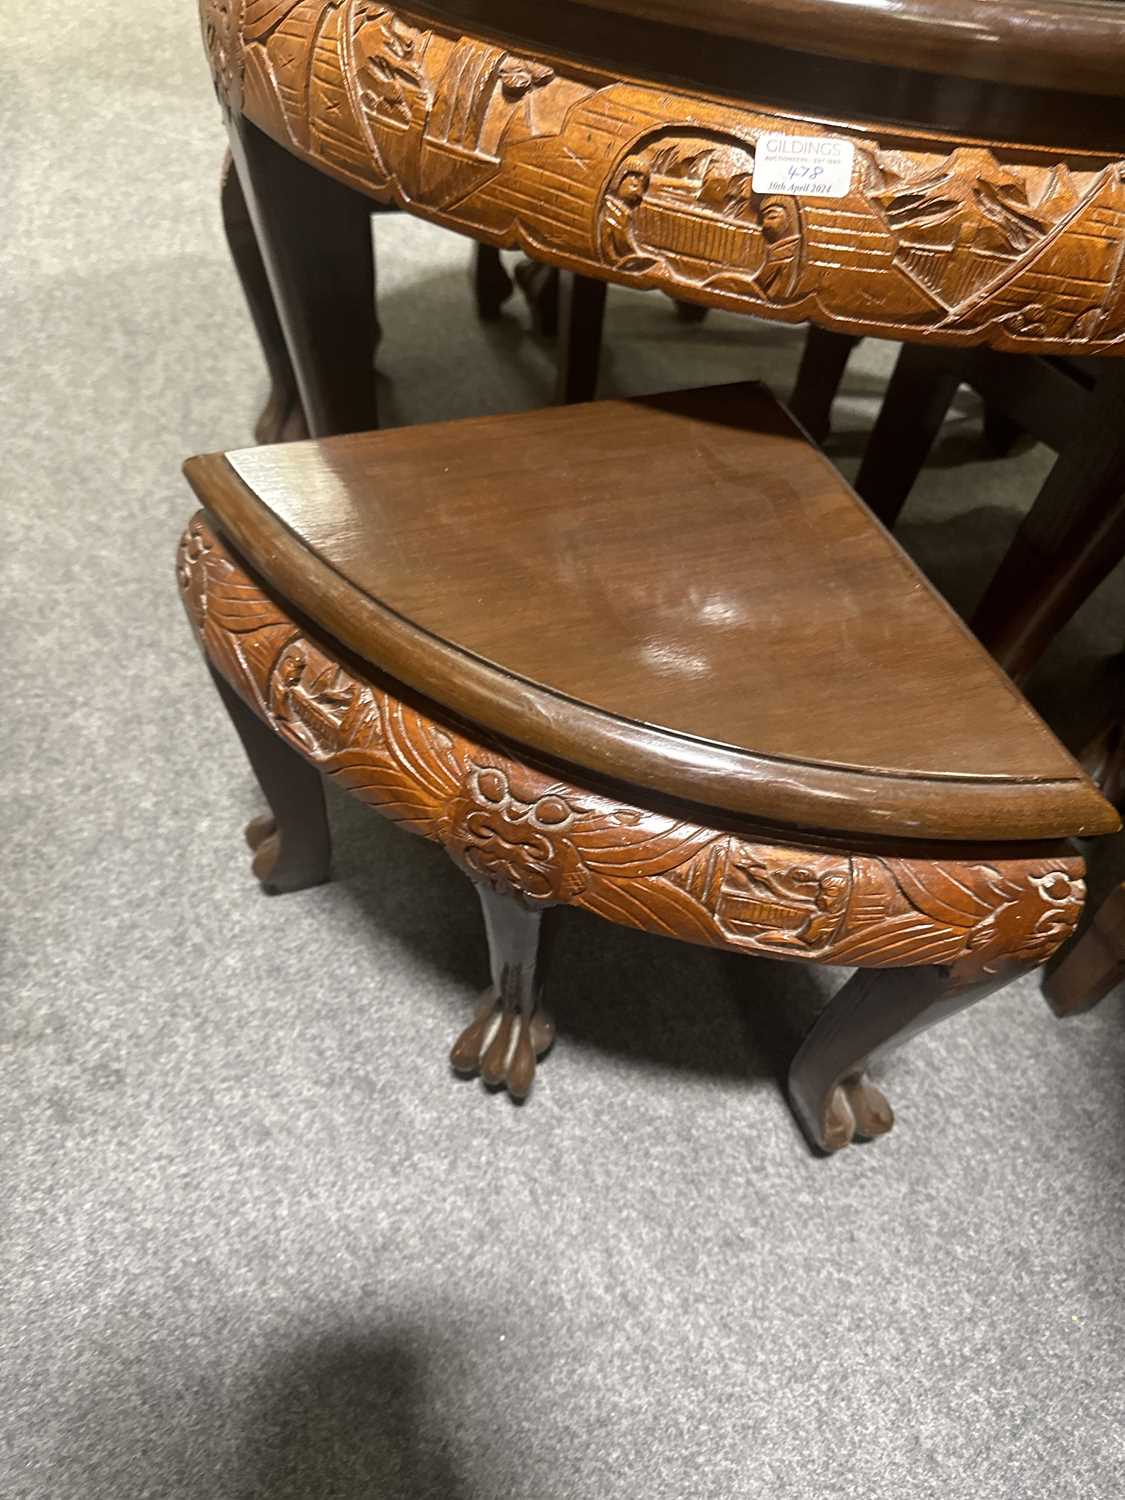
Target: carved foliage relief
[[655, 188], [519, 829]]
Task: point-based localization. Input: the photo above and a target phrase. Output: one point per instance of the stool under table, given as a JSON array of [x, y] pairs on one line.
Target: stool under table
[[655, 659]]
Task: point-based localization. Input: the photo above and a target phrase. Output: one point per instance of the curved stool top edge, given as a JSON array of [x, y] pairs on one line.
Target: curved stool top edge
[[800, 794]]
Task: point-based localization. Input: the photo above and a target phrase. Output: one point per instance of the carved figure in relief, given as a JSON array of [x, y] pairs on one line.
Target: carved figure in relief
[[831, 901], [312, 702], [683, 202], [387, 71], [509, 115], [781, 230], [616, 235], [484, 101], [788, 905], [684, 206]]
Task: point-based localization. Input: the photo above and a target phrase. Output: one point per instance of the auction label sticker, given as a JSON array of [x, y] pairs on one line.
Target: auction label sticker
[[813, 166]]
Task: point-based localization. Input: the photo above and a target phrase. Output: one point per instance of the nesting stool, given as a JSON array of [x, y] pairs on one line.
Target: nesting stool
[[655, 659]]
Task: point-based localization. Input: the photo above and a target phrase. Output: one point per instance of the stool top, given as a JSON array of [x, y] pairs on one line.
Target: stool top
[[678, 592]]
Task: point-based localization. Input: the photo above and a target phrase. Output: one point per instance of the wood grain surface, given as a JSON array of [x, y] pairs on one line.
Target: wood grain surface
[[678, 591], [1057, 44]]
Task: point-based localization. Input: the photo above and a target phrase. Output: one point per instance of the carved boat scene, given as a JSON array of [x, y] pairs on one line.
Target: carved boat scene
[[502, 146]]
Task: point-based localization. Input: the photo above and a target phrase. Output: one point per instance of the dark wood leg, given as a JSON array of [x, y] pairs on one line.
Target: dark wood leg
[[876, 1009], [282, 418], [581, 314], [315, 241], [1094, 965], [492, 286], [511, 1028], [690, 312], [540, 287], [1001, 432], [1067, 543], [923, 384], [292, 847], [823, 363]]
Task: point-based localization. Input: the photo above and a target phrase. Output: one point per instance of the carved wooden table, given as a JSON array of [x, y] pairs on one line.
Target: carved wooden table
[[653, 659], [800, 171], [984, 204]]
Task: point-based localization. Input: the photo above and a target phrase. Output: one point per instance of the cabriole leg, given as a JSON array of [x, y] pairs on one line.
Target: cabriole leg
[[877, 1008], [314, 237], [282, 418], [292, 847], [511, 1029], [1094, 965]]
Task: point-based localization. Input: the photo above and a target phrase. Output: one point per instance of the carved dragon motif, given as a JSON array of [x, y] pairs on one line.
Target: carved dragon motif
[[518, 828], [655, 187]]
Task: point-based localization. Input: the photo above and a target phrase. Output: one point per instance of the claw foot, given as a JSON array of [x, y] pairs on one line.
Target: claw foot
[[502, 1044], [277, 873], [856, 1110], [261, 835]]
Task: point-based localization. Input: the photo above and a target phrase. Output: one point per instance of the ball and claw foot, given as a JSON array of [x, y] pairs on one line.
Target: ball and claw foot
[[276, 873], [502, 1045], [856, 1111], [262, 837]]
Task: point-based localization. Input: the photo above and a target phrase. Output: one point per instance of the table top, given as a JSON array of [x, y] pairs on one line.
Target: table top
[[678, 590], [1054, 44]]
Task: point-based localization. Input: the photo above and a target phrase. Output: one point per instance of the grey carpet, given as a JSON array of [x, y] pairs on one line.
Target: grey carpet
[[256, 1241]]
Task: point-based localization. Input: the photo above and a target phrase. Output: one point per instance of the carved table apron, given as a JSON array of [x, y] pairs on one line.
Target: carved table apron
[[523, 830], [931, 235]]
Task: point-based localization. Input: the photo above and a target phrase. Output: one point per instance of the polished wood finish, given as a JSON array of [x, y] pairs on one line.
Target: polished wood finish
[[653, 659], [1055, 44], [535, 837], [283, 418], [678, 591], [740, 69], [314, 236], [948, 237]]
